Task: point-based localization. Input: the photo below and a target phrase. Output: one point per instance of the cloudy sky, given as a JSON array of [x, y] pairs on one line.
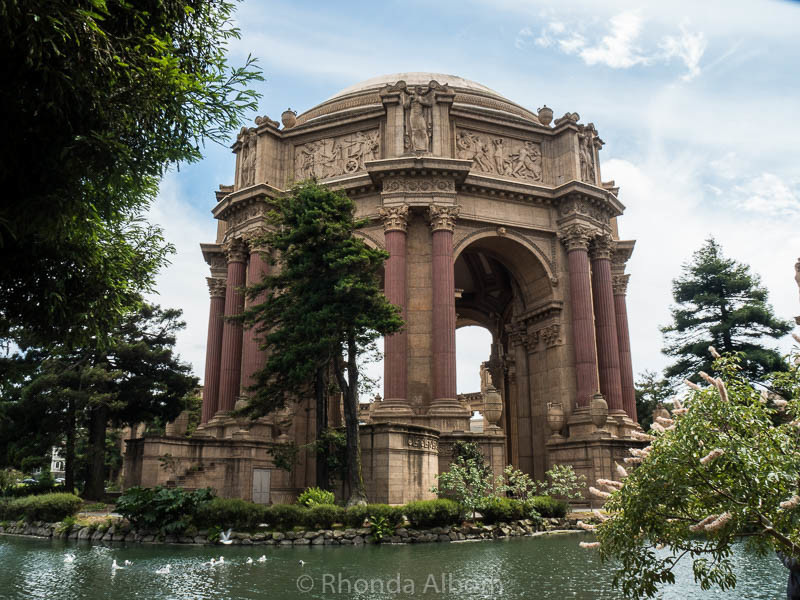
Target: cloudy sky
[[696, 101]]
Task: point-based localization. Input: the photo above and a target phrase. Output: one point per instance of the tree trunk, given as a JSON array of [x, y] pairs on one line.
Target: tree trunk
[[349, 387], [69, 451], [96, 479], [321, 394]]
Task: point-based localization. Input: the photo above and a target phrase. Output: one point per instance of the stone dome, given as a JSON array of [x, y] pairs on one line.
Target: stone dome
[[365, 94]]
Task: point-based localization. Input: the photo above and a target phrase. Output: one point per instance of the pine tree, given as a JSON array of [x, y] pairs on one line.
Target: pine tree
[[320, 311], [720, 303]]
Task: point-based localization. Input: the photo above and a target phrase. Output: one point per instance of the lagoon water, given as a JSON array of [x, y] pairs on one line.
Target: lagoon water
[[540, 568]]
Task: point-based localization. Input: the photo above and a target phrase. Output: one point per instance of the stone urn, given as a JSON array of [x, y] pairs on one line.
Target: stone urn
[[660, 411], [545, 115], [598, 410], [493, 406], [556, 419], [289, 118]]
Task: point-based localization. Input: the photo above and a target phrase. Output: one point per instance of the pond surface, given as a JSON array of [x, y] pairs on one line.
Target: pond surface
[[540, 568]]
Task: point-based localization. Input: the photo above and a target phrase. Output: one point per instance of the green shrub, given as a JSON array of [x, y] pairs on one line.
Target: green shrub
[[497, 509], [433, 513], [313, 496], [284, 516], [356, 515], [170, 510], [230, 512], [548, 507], [323, 516], [392, 514], [47, 507]]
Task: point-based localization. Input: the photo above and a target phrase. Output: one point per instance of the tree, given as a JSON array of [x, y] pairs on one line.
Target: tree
[[720, 303], [100, 97], [717, 471], [322, 310], [651, 391], [133, 377]]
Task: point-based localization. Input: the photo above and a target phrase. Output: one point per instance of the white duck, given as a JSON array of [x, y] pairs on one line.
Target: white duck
[[128, 563], [262, 558], [69, 558], [249, 561], [114, 565], [225, 537], [163, 570]]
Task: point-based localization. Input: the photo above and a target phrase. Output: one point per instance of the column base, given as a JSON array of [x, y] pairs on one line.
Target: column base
[[581, 426], [392, 407]]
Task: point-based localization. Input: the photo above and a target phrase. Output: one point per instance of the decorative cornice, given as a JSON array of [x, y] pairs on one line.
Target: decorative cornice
[[443, 218], [395, 218], [620, 284], [602, 246], [576, 236], [216, 287], [235, 250]]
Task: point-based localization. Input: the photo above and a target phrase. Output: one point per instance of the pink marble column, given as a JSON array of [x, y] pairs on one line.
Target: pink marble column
[[445, 398], [576, 238], [253, 357], [606, 324], [216, 288], [231, 363], [620, 283], [395, 347]]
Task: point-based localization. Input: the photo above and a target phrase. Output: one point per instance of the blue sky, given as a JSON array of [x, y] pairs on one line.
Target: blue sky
[[697, 103]]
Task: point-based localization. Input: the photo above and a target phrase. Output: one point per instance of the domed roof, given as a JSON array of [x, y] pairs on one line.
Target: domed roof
[[364, 95], [416, 78]]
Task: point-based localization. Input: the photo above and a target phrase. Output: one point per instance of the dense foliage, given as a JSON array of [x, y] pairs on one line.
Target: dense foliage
[[726, 465], [319, 312], [170, 510], [100, 96], [313, 496], [720, 303], [651, 391], [46, 507]]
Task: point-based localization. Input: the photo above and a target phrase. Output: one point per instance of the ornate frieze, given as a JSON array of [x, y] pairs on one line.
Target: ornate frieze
[[244, 213], [577, 206], [620, 284], [395, 218], [419, 184], [333, 156], [576, 236], [502, 156], [216, 287], [443, 217], [235, 250], [247, 160]]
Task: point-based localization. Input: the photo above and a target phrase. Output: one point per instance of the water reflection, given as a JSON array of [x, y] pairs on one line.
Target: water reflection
[[544, 568]]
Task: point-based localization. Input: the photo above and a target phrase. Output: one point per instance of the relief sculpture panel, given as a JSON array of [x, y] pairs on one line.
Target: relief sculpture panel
[[500, 156], [333, 156]]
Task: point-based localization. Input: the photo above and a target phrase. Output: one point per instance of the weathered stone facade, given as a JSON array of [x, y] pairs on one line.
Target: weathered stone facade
[[492, 216]]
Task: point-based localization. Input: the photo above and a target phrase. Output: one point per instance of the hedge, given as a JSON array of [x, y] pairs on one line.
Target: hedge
[[548, 507], [432, 513], [496, 510], [47, 507], [231, 512]]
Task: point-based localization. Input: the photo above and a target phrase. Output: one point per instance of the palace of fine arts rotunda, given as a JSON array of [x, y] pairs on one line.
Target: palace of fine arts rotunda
[[493, 215]]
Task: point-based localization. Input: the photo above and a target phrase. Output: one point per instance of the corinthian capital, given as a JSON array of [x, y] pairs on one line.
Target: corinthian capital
[[216, 287], [576, 236], [603, 246], [443, 218], [620, 284], [395, 218], [235, 250]]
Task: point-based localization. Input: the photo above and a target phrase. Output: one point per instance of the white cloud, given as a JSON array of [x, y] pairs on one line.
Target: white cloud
[[618, 49], [767, 194], [689, 47], [523, 37]]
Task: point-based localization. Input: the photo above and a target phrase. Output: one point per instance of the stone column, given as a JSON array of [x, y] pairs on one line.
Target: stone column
[[395, 347], [231, 363], [216, 288], [576, 238], [252, 356], [518, 339], [445, 399], [606, 324], [620, 283]]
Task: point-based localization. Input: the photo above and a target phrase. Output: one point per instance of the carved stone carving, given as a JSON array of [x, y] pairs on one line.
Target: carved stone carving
[[576, 236], [500, 156], [516, 334], [443, 217], [551, 334], [418, 104], [620, 284], [574, 205], [395, 218], [533, 339], [567, 118], [603, 246], [586, 139], [254, 239], [216, 287], [247, 166], [419, 184], [244, 214], [333, 156], [235, 250]]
